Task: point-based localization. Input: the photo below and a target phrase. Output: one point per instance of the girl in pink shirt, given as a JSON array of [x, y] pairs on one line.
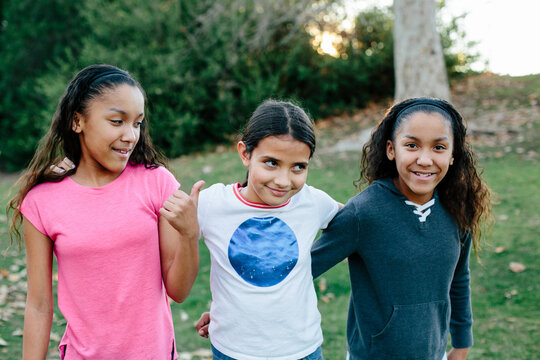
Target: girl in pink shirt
[[117, 258]]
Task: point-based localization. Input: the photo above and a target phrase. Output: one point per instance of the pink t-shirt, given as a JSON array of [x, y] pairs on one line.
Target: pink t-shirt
[[106, 241]]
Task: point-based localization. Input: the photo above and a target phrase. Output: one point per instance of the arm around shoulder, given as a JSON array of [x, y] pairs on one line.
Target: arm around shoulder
[[338, 240], [39, 300]]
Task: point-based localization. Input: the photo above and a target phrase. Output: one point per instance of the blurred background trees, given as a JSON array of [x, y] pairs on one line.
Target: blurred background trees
[[205, 64]]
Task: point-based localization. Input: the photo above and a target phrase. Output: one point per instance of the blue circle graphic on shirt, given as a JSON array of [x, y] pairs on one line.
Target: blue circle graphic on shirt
[[263, 251]]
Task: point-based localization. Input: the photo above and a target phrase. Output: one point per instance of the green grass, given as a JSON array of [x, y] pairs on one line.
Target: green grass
[[505, 303]]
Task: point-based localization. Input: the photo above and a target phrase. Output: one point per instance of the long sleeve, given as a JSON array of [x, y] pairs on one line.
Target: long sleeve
[[338, 241], [460, 299]]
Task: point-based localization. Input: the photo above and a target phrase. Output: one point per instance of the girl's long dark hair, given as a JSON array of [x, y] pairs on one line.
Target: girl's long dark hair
[[61, 141], [462, 192]]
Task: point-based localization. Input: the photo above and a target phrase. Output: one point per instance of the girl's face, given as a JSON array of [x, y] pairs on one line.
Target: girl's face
[[110, 130], [422, 149], [277, 169]]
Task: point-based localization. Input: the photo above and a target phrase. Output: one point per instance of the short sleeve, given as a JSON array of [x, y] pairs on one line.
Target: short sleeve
[[30, 210], [206, 197], [327, 206], [165, 186]]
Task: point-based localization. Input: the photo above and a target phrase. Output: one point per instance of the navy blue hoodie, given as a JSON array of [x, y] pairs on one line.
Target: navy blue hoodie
[[409, 279]]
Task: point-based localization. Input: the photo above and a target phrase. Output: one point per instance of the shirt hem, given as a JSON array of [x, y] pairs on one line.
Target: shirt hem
[[295, 356]]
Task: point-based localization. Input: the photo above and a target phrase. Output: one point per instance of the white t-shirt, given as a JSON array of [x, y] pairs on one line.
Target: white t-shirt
[[264, 304]]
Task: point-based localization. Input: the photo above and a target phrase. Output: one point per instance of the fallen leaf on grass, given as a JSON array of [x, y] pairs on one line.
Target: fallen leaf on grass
[[202, 353], [326, 298], [511, 319], [509, 294], [517, 267], [3, 294], [17, 332], [18, 304], [3, 342], [207, 169], [13, 277], [322, 285], [500, 249], [4, 273], [20, 262]]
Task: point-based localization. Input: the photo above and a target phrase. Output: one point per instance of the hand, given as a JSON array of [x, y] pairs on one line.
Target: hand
[[458, 354], [202, 324], [180, 210], [62, 166]]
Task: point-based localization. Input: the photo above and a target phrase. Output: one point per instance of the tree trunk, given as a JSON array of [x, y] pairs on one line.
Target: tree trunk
[[418, 58]]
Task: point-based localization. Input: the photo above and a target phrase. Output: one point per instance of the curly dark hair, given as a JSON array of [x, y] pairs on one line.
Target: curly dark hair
[[61, 141], [462, 191]]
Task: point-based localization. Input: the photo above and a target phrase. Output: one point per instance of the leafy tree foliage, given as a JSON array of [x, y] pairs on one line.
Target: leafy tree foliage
[[205, 64], [33, 34]]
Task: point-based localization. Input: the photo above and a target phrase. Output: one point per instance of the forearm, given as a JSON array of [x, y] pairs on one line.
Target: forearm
[[37, 330], [179, 242], [38, 314], [182, 270], [458, 354]]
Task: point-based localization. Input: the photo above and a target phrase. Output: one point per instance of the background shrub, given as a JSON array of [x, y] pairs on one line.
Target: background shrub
[[205, 64]]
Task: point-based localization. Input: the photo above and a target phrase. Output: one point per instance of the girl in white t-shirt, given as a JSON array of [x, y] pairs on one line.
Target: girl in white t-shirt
[[259, 235]]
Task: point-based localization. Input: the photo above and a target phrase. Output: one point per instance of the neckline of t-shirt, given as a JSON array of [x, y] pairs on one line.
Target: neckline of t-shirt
[[237, 191], [93, 189]]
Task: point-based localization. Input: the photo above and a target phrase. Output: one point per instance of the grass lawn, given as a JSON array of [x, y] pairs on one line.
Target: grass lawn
[[505, 302]]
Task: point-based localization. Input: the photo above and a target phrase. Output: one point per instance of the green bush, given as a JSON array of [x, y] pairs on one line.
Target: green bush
[[205, 64], [33, 34]]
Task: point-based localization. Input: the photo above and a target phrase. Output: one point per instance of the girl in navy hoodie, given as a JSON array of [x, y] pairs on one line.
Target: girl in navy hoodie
[[408, 235]]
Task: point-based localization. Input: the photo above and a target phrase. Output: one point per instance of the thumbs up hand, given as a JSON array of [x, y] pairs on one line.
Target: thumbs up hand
[[180, 210]]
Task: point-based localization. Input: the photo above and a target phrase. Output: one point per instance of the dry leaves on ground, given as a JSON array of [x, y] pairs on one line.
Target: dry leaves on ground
[[517, 267]]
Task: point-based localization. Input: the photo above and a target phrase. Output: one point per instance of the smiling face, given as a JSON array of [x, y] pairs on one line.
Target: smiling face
[[109, 130], [422, 149], [277, 169]]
